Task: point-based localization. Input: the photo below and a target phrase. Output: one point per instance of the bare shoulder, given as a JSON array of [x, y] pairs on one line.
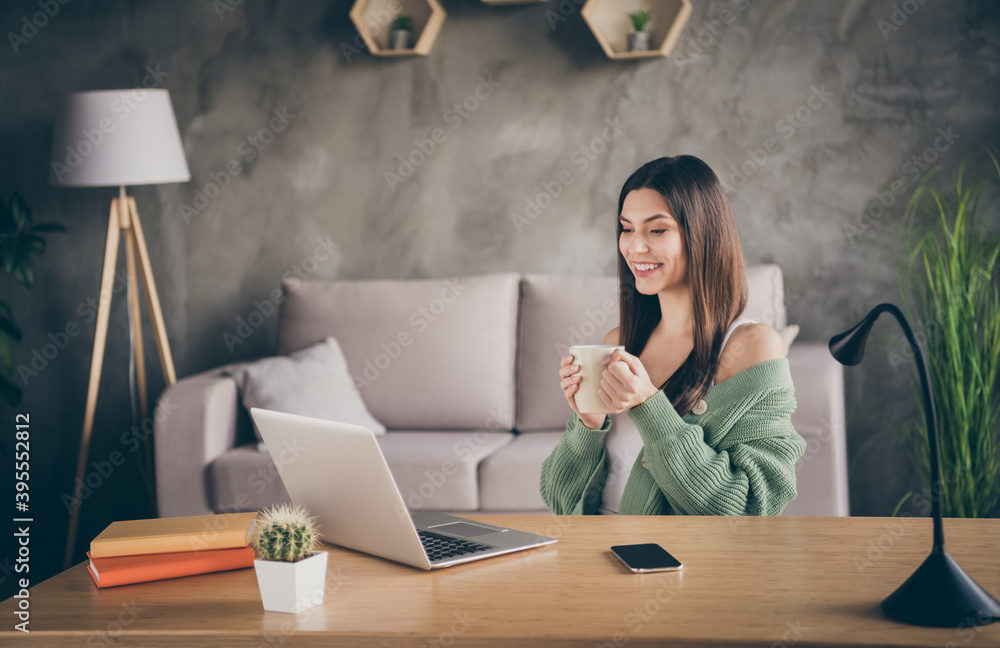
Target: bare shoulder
[[750, 344], [612, 336]]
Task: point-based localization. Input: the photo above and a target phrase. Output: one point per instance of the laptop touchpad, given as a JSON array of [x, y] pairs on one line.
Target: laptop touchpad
[[463, 529]]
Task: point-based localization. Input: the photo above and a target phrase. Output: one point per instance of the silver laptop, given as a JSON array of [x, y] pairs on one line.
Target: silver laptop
[[337, 471]]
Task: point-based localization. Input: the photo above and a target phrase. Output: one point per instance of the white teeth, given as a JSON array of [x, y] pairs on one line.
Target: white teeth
[[645, 267]]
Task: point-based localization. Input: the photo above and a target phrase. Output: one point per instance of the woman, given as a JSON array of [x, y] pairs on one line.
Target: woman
[[708, 390]]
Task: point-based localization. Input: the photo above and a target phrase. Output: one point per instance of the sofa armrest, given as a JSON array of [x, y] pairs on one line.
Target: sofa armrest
[[821, 472], [197, 419]]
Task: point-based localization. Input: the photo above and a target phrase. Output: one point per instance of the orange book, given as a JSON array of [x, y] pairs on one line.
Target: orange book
[[174, 534], [124, 570]]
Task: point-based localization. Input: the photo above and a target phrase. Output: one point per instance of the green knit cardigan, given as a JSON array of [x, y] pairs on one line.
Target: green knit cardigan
[[737, 458]]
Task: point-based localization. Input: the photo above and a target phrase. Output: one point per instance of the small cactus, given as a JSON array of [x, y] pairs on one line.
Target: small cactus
[[285, 534]]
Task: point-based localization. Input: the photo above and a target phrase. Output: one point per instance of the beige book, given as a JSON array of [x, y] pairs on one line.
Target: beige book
[[167, 535]]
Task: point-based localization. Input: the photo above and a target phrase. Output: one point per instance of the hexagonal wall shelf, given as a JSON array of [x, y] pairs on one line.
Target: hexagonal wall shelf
[[373, 19], [609, 21]]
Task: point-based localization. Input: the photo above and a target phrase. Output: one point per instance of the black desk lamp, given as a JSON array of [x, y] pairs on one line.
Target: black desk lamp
[[939, 593]]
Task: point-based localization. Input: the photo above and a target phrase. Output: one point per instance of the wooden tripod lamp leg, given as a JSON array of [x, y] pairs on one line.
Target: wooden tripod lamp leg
[[96, 363], [152, 298], [159, 329], [135, 315]]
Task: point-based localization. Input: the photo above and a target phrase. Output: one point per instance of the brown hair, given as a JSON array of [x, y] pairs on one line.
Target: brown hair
[[716, 271]]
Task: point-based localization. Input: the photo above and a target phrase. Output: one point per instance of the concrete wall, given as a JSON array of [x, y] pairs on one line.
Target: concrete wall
[[847, 96]]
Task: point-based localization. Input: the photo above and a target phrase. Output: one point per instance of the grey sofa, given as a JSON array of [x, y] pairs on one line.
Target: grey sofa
[[463, 373]]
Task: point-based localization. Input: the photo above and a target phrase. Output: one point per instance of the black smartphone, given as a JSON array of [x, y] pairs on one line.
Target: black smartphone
[[643, 558]]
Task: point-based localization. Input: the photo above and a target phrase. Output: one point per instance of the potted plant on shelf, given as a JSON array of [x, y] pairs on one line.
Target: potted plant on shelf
[[953, 273], [638, 40], [291, 572], [401, 36]]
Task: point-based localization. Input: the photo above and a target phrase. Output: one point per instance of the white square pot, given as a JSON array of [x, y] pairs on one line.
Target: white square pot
[[292, 587]]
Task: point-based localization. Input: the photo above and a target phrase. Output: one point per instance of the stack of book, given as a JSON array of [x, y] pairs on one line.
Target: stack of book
[[138, 551]]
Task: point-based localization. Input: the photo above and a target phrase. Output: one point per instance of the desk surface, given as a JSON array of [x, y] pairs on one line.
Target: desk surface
[[746, 581]]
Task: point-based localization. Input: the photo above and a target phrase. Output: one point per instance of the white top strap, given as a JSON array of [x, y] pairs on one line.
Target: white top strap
[[623, 444], [729, 331]]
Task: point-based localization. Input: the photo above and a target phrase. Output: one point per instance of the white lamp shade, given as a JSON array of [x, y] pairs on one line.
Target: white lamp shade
[[111, 138]]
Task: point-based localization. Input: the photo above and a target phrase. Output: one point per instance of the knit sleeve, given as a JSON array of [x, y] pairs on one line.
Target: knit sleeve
[[573, 475], [750, 470]]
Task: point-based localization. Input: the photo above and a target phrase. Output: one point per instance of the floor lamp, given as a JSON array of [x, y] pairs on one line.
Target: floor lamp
[[118, 138]]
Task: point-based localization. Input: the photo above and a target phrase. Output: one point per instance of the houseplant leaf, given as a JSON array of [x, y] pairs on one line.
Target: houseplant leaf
[[20, 213], [7, 325], [33, 242], [23, 268], [8, 250], [19, 239], [949, 286]]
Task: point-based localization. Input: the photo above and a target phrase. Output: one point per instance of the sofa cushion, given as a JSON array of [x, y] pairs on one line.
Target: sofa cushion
[[313, 381], [821, 471], [439, 471], [244, 479], [510, 478], [557, 312], [433, 470], [430, 353], [766, 295], [788, 335]]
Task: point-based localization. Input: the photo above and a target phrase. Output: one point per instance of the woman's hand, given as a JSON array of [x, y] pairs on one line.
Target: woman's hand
[[570, 384], [624, 383]]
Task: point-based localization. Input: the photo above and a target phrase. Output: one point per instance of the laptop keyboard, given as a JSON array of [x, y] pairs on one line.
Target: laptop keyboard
[[440, 547]]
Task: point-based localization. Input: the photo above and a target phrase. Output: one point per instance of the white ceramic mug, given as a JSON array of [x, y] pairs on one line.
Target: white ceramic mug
[[589, 357]]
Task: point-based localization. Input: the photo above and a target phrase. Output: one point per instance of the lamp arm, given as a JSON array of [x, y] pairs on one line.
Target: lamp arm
[[930, 414]]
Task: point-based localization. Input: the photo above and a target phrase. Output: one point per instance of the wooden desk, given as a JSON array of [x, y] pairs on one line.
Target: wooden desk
[[746, 581]]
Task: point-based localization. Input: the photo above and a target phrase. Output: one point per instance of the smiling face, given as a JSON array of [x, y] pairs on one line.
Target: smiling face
[[652, 243]]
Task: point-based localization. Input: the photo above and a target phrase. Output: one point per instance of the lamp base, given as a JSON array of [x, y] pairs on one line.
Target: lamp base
[[940, 594]]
